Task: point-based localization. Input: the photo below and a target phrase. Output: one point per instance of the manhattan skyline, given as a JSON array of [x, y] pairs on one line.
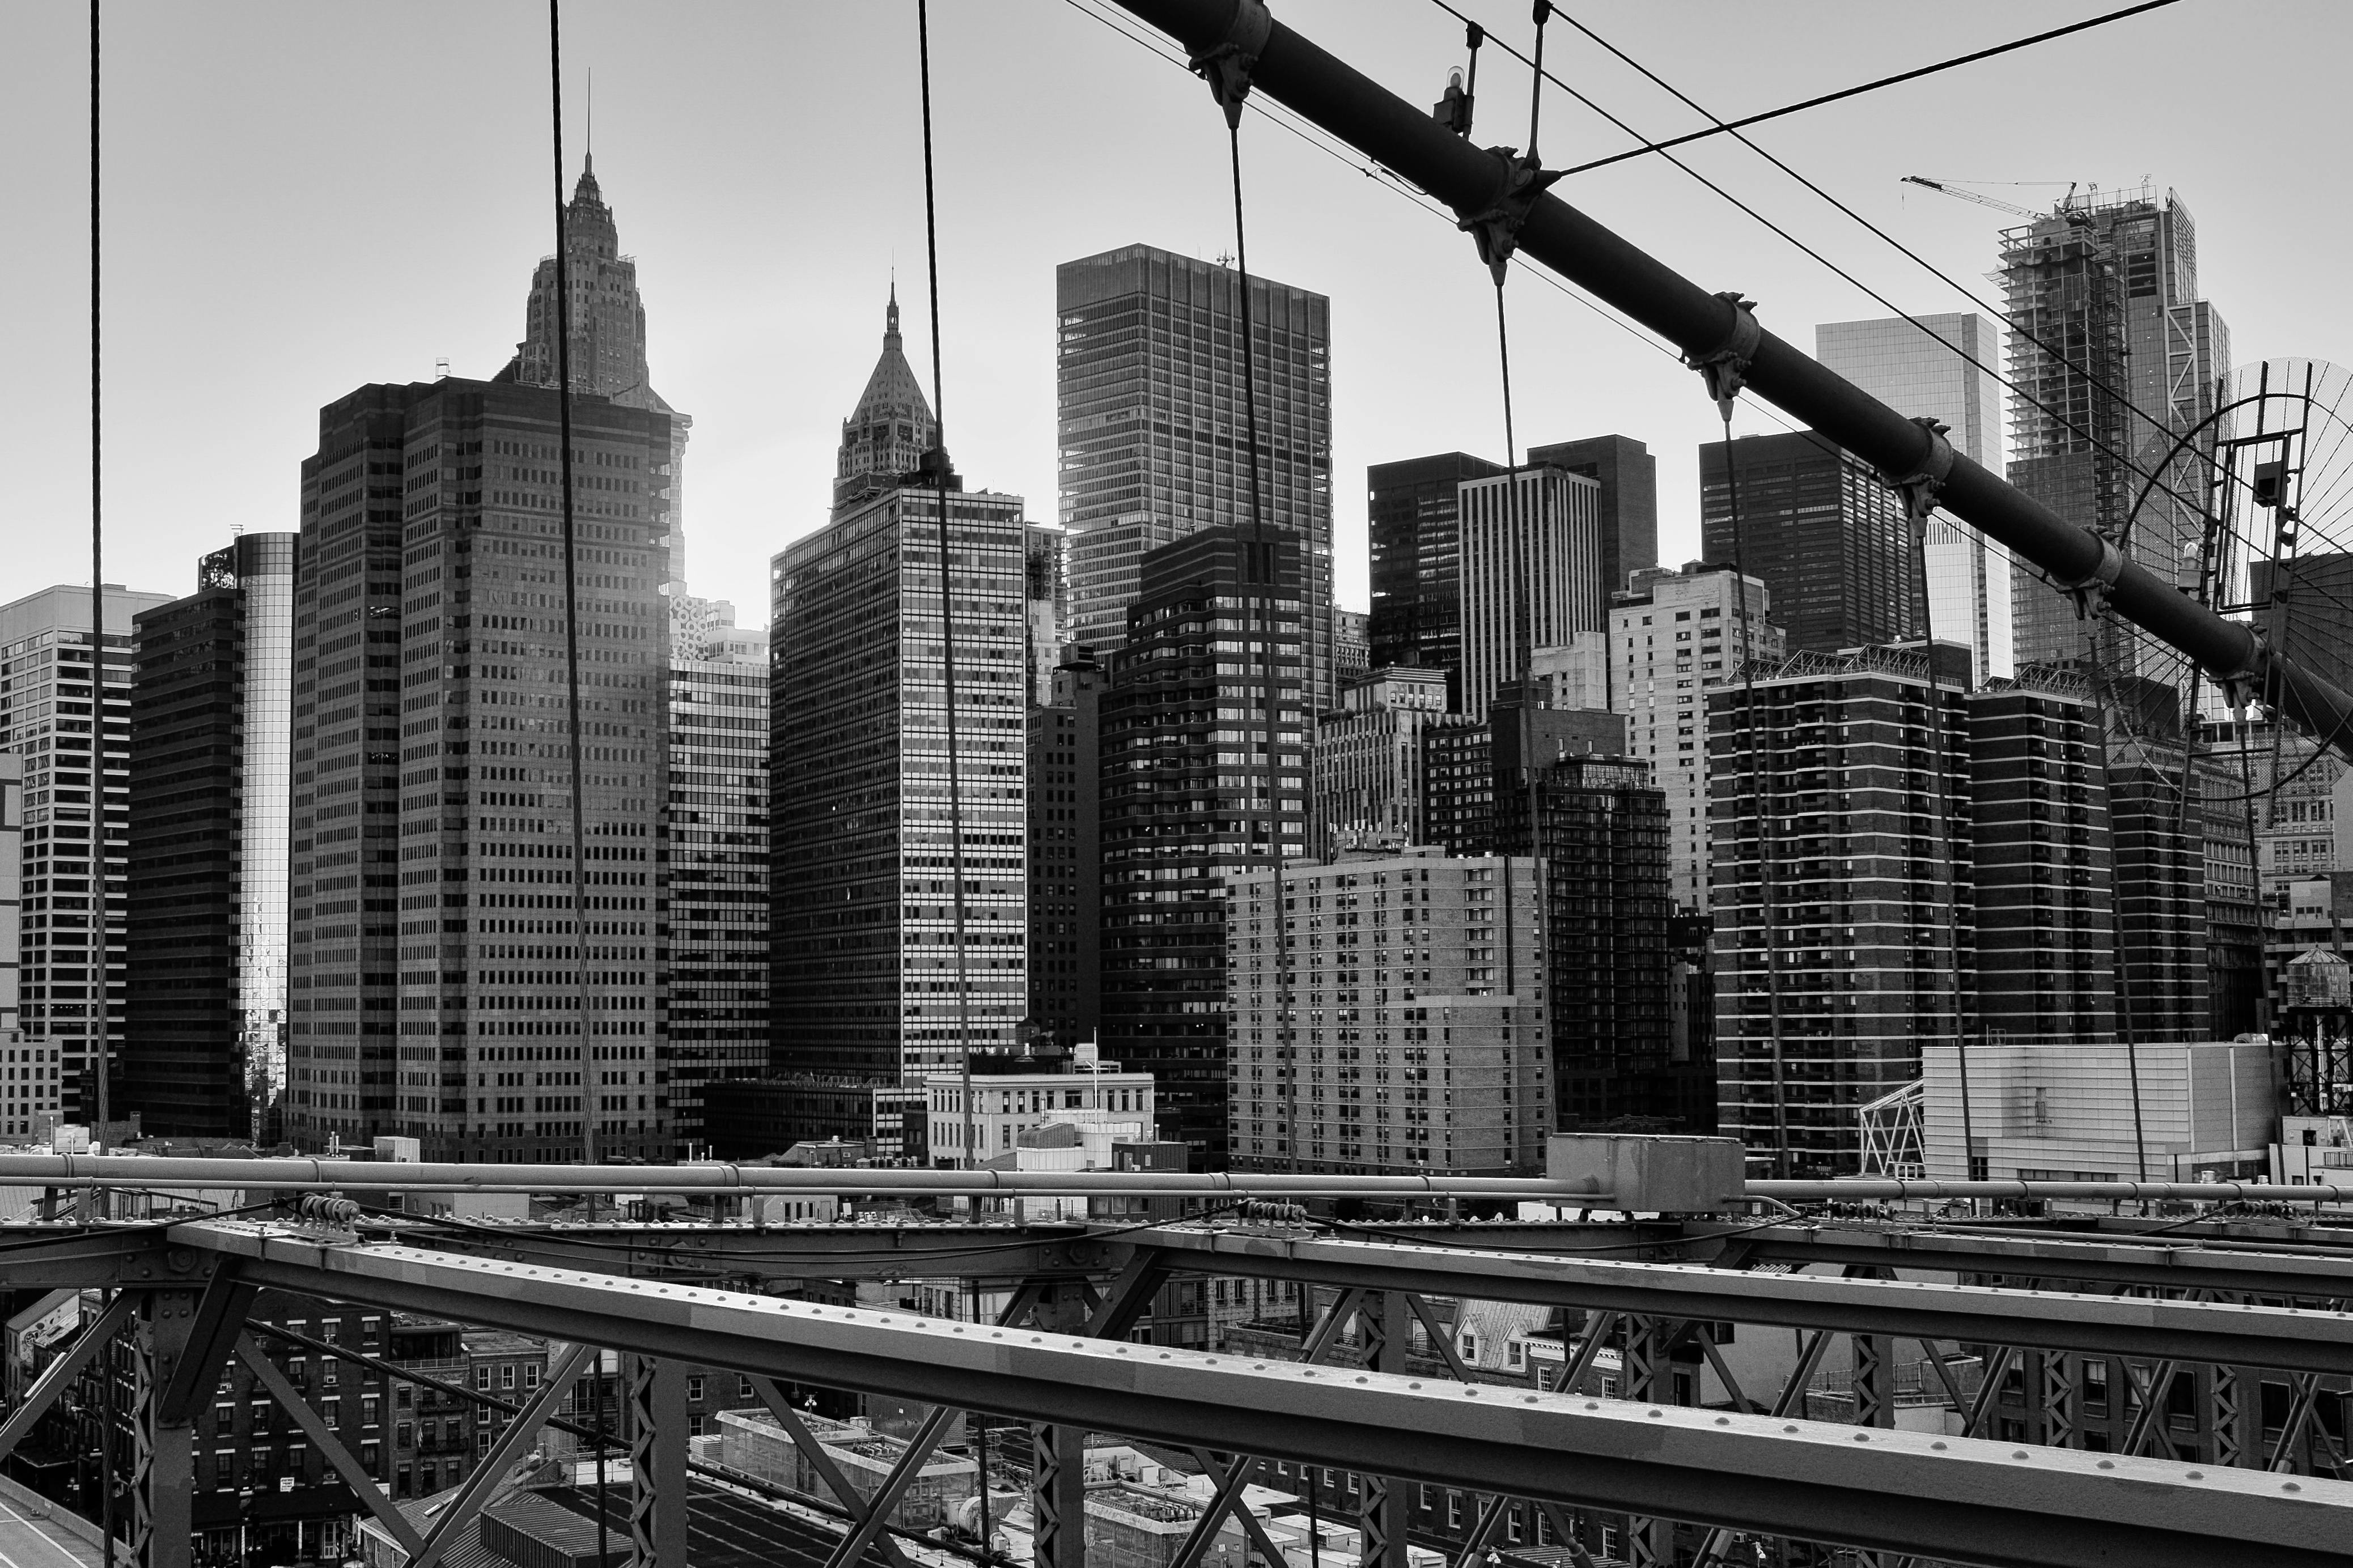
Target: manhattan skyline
[[249, 266]]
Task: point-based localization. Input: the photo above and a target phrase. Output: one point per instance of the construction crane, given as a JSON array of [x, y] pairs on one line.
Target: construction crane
[[2066, 209]]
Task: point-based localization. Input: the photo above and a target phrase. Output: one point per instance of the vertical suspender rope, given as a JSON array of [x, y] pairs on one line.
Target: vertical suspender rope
[[1759, 801], [2126, 1026], [100, 1015], [571, 589], [1919, 505], [936, 460], [1262, 565]]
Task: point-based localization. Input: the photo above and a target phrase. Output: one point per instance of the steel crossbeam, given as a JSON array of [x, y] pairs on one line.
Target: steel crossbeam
[[2276, 1337], [1884, 1491]]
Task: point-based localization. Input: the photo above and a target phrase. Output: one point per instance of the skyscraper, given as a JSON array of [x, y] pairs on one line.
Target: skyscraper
[[1066, 855], [1821, 532], [1626, 497], [1186, 761], [890, 426], [2042, 867], [1414, 510], [1923, 367], [863, 970], [16, 1108], [1046, 605], [1531, 565], [1675, 637], [718, 843], [608, 336], [211, 779], [74, 736], [1838, 866], [1153, 421], [2113, 359], [441, 988]]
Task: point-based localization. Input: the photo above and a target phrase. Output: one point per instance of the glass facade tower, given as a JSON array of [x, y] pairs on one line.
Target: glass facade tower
[[1924, 368], [211, 785], [1153, 421]]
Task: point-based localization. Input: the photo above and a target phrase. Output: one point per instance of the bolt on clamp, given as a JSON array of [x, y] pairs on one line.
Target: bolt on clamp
[[1725, 367]]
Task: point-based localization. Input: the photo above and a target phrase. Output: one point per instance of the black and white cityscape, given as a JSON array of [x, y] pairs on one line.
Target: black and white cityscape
[[1773, 872]]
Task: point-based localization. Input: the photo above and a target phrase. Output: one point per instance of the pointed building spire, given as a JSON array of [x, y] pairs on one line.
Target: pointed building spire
[[886, 434], [891, 338]]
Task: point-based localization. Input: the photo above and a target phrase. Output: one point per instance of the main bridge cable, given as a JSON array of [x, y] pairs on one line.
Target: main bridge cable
[[935, 466], [2122, 398], [2124, 458], [571, 585]]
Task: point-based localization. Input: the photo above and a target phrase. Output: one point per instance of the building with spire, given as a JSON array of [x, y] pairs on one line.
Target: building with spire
[[608, 335], [888, 433], [864, 967]]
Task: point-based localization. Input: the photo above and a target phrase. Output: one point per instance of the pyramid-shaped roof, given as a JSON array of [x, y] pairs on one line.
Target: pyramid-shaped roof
[[892, 426]]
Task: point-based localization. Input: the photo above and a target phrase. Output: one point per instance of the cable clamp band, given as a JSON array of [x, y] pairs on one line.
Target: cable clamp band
[[2091, 591], [1495, 229], [1919, 487], [2247, 683], [1227, 65], [1725, 367]]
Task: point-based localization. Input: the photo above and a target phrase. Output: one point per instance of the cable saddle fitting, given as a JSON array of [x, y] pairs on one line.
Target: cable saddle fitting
[[1497, 229], [1725, 367], [1227, 65]]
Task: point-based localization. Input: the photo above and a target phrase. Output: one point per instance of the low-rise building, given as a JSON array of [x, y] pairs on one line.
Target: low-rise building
[[1014, 1095], [2100, 1110], [1388, 1015]]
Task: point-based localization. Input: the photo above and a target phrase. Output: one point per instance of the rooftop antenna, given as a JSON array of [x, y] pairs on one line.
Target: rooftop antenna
[[441, 369], [588, 154]]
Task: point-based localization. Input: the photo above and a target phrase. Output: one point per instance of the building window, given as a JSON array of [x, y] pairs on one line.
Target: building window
[[694, 1390]]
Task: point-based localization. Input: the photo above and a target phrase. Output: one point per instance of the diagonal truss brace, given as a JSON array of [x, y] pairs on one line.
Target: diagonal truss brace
[[773, 1396], [60, 1373], [492, 1468], [903, 1474], [328, 1442], [1225, 1499], [218, 1327]]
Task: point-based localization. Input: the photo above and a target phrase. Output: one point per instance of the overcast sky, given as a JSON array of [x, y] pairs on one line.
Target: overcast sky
[[304, 197]]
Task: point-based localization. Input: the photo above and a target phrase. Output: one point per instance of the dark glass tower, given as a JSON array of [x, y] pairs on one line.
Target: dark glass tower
[[444, 988], [1184, 803], [1629, 501], [1414, 509], [1826, 537], [211, 741], [1153, 423]]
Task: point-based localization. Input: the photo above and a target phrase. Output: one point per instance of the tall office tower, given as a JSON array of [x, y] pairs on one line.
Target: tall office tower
[[1599, 827], [863, 966], [1438, 962], [440, 990], [1148, 374], [1941, 367], [1626, 502], [1846, 865], [718, 845], [2042, 862], [2112, 360], [25, 1094], [1414, 509], [1827, 539], [1531, 549], [1066, 855], [76, 826], [1186, 806], [1466, 763], [1364, 775], [1045, 607], [1675, 637], [608, 339], [212, 735]]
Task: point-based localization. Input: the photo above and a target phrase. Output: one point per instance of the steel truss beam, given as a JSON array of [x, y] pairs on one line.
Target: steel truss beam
[[2276, 1337], [331, 1443], [1884, 1491]]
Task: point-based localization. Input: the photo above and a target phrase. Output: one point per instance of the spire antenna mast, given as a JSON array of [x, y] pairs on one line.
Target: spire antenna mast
[[588, 142]]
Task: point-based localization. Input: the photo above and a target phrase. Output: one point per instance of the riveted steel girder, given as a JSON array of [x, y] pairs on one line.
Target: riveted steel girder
[[1949, 1497]]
